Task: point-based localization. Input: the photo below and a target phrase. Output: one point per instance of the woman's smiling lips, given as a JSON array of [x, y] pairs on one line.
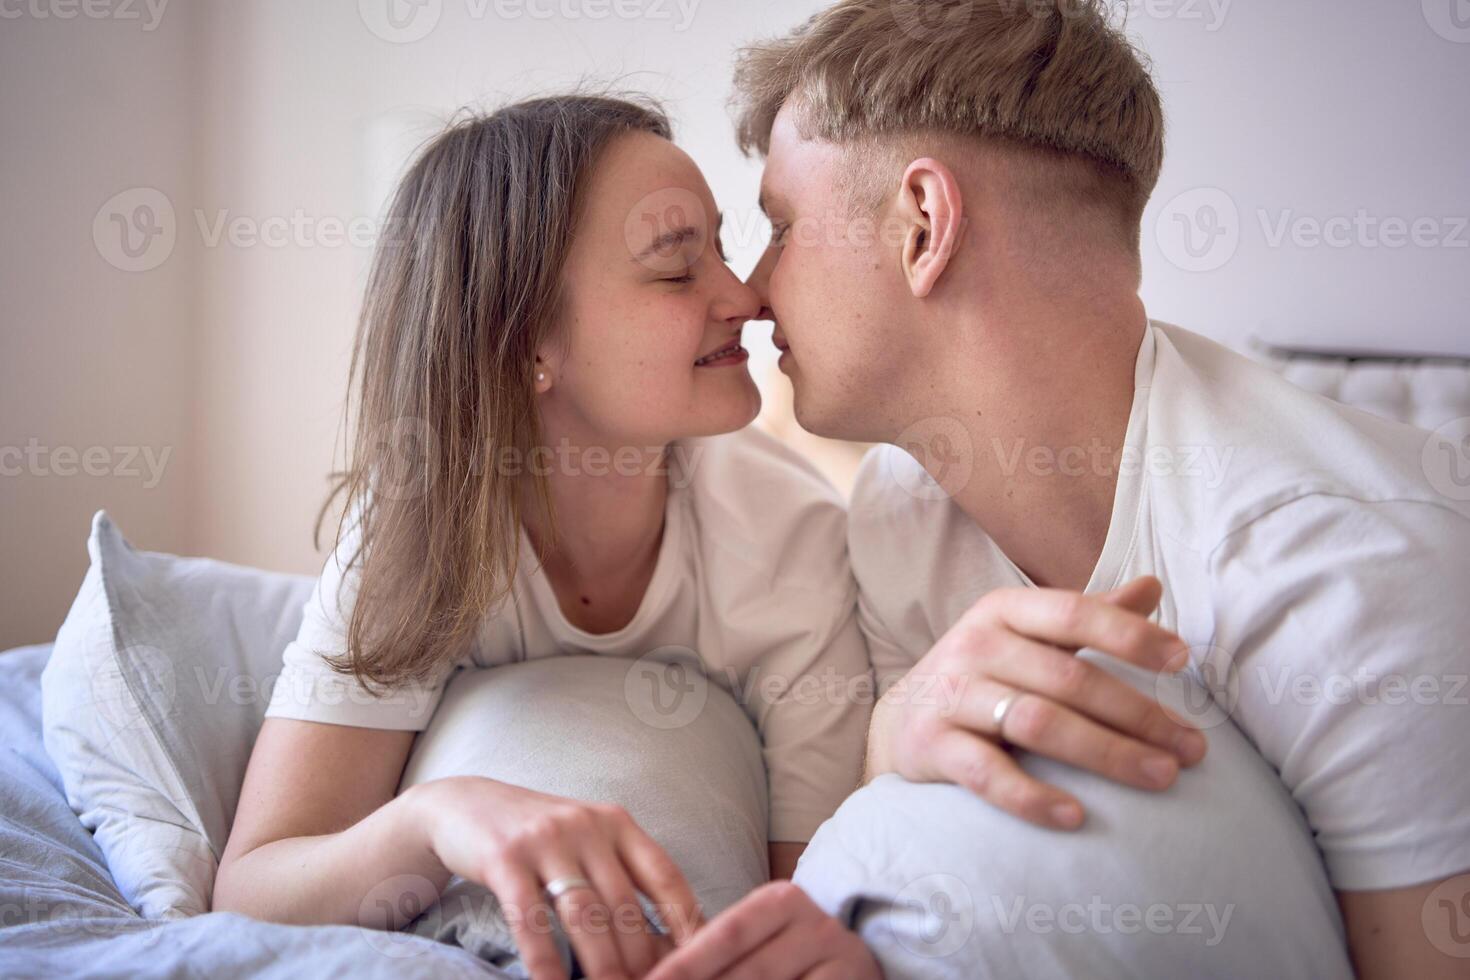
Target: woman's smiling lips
[[731, 353]]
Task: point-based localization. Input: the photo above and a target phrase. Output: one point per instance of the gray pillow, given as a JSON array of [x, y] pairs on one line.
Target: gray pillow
[[162, 671], [650, 735], [1217, 877], [151, 702]]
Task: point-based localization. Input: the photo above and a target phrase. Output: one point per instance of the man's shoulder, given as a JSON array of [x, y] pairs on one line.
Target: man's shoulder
[[1231, 441]]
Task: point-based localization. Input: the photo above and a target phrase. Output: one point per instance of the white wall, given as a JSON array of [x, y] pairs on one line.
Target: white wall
[[233, 356], [1329, 142]]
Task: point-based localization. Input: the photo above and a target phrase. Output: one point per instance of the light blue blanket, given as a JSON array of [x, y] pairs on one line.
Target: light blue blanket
[[61, 914]]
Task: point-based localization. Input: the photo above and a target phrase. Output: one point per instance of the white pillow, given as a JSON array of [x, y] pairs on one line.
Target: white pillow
[[151, 702]]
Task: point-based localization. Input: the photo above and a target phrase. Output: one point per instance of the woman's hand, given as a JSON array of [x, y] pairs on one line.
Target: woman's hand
[[775, 933], [515, 841], [1012, 657]]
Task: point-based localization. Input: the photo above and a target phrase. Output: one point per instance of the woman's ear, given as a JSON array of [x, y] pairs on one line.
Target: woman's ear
[[933, 208]]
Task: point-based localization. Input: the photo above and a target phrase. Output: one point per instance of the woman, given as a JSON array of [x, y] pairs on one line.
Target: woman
[[549, 336]]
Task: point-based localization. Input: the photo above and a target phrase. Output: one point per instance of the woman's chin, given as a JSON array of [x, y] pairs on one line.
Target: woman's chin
[[733, 412]]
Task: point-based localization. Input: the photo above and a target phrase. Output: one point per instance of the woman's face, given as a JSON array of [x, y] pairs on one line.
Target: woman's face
[[648, 346]]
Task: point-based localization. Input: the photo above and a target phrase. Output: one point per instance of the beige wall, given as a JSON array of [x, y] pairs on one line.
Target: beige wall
[[92, 358], [232, 356]]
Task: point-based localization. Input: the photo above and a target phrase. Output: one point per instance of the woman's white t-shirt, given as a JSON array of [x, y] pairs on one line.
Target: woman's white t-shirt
[[752, 581]]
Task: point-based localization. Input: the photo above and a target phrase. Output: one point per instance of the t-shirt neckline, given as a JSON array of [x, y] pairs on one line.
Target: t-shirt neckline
[[1130, 497]]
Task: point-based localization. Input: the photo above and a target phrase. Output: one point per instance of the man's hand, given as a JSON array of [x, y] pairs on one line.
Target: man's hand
[[1012, 656], [775, 933]]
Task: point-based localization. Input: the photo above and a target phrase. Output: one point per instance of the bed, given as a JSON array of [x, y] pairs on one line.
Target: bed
[[62, 913]]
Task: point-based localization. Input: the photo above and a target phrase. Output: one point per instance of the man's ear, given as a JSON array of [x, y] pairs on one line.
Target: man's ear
[[933, 209]]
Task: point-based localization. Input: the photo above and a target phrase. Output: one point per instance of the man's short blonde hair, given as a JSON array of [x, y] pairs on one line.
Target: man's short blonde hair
[[1051, 83]]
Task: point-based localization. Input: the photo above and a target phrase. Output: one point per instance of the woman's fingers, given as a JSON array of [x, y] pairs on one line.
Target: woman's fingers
[[584, 914], [989, 771], [630, 928], [1092, 692], [529, 916], [658, 877]]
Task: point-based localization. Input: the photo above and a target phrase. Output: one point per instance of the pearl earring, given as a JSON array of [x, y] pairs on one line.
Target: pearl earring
[[540, 375]]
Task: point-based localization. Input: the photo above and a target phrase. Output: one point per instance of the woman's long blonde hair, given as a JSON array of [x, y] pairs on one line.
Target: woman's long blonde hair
[[465, 287]]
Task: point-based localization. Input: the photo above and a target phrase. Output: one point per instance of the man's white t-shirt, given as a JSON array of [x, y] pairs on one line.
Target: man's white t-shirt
[[1321, 580], [752, 580]]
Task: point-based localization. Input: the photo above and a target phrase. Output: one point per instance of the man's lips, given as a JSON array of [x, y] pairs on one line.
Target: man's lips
[[779, 340]]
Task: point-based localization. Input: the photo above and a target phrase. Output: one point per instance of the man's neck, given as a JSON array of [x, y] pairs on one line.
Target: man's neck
[[1046, 440]]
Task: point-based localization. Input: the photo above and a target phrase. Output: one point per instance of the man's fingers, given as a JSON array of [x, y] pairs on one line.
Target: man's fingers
[[1142, 595], [1091, 691], [988, 771], [1057, 732], [793, 952], [1073, 620], [743, 927]]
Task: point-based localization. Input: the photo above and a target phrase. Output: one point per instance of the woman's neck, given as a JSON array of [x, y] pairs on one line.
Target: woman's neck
[[609, 507]]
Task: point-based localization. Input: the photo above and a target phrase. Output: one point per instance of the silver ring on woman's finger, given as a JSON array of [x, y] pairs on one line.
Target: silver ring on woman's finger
[[560, 886], [1003, 708]]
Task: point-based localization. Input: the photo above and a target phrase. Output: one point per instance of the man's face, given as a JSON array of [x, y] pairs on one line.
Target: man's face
[[833, 281]]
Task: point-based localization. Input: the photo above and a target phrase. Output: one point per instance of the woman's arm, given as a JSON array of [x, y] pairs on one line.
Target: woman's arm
[[319, 837], [314, 833]]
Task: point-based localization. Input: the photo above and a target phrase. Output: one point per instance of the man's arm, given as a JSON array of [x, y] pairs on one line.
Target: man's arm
[[1422, 931]]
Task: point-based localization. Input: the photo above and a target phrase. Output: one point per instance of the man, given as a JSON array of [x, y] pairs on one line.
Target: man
[[956, 195]]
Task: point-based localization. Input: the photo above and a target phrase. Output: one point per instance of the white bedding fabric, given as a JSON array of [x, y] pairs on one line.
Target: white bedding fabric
[[1427, 392]]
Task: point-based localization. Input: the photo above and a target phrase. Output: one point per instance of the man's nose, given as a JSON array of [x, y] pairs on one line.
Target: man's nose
[[760, 277]]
